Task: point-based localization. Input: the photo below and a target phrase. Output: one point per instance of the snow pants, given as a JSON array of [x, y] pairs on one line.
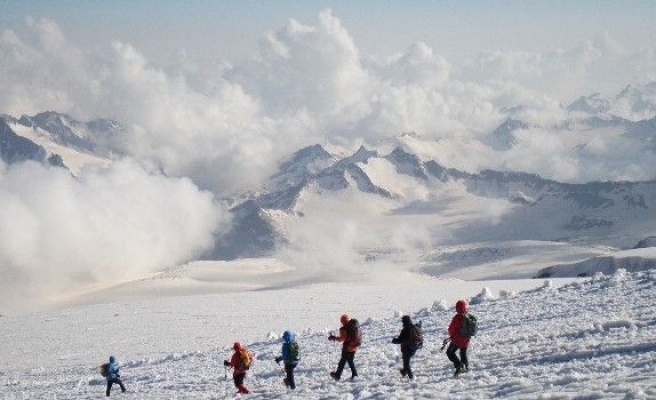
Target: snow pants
[[111, 382], [289, 380], [347, 357], [406, 354], [451, 353], [239, 382]]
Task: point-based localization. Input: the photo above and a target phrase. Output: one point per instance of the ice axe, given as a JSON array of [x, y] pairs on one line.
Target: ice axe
[[444, 343]]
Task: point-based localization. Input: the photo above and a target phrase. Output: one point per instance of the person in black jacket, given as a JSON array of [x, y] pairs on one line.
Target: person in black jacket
[[410, 341]]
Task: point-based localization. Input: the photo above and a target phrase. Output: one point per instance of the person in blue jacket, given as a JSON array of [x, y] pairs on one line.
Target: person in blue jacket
[[113, 376], [290, 357]]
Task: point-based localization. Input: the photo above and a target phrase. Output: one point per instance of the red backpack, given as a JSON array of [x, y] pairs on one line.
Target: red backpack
[[353, 333]]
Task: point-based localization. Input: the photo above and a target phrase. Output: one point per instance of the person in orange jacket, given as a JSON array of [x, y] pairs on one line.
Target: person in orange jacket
[[458, 342], [350, 336], [238, 372]]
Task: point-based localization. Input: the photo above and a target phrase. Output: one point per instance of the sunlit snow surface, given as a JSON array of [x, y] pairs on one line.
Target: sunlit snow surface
[[588, 339]]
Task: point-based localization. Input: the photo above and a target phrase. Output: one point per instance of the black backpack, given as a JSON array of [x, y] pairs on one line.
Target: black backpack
[[104, 370], [353, 333]]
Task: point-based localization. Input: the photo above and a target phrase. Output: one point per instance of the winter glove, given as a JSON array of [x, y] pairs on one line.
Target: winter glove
[[332, 338], [396, 341], [278, 359], [226, 363]]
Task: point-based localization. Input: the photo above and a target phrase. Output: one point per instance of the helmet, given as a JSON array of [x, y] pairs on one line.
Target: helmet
[[344, 319], [287, 336], [236, 346], [405, 320], [111, 359], [461, 306]]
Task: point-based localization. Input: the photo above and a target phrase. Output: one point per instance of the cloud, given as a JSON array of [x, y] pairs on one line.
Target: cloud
[[217, 129], [226, 126], [597, 65], [105, 226], [353, 236], [43, 72]]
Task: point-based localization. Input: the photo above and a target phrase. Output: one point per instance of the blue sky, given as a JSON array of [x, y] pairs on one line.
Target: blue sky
[[229, 30]]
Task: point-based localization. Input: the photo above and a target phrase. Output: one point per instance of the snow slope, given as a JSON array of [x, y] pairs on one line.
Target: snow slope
[[75, 159], [589, 339]]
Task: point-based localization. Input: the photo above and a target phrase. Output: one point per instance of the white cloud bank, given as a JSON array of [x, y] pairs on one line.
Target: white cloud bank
[[226, 126], [61, 233]]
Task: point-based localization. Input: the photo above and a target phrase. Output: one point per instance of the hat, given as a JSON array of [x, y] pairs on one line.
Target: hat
[[461, 306], [287, 336]]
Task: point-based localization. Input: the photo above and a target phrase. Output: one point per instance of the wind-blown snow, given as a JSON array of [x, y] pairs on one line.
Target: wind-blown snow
[[588, 339], [62, 234]]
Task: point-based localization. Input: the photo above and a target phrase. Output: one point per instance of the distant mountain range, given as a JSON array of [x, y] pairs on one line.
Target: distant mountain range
[[541, 209], [534, 208], [56, 139]]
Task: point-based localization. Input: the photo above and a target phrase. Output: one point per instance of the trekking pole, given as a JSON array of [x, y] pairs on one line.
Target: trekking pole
[[444, 343]]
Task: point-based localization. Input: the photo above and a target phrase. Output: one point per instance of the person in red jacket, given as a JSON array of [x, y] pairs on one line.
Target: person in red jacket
[[458, 341], [350, 345], [238, 374]]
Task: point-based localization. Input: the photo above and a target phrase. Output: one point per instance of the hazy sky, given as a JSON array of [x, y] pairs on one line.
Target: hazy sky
[[229, 30]]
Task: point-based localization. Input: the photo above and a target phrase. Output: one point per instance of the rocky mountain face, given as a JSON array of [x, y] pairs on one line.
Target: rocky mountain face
[[91, 137], [15, 148], [535, 208], [543, 209]]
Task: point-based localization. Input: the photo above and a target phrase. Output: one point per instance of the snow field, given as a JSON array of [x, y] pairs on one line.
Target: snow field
[[590, 339]]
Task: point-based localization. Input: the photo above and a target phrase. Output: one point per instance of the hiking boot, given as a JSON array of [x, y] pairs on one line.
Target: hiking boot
[[335, 376], [354, 376], [459, 371], [403, 373], [286, 382]]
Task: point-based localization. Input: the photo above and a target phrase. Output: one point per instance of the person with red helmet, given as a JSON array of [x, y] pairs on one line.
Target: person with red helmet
[[240, 362], [459, 342], [350, 336]]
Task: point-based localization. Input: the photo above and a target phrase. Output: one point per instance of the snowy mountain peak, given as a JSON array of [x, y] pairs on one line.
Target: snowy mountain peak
[[362, 155], [15, 148], [307, 159], [592, 104], [67, 131], [61, 128], [502, 138], [407, 163]]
